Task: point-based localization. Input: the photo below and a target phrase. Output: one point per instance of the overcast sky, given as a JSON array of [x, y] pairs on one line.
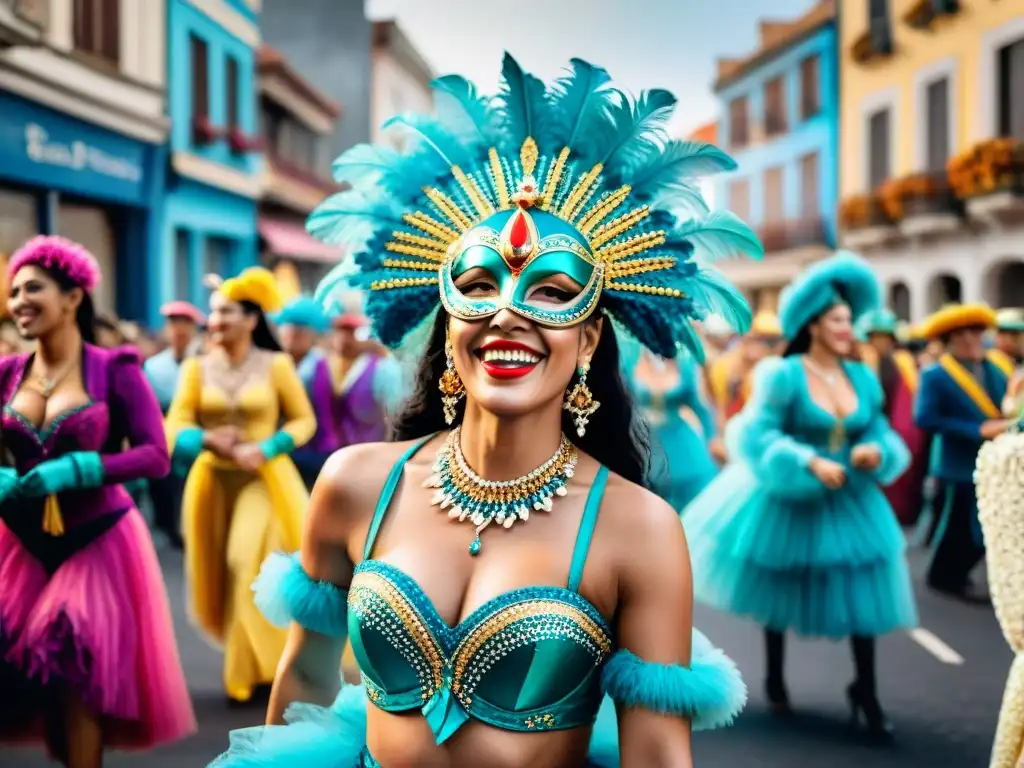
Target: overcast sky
[[643, 43]]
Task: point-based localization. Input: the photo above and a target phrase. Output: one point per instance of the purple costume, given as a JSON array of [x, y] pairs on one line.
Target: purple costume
[[87, 610], [316, 378], [358, 414]]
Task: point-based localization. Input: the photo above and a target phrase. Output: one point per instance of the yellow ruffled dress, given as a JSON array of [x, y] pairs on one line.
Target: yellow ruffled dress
[[231, 519]]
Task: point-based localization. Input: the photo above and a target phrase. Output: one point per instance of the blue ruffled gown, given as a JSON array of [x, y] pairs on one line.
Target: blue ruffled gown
[[769, 541], [682, 465]]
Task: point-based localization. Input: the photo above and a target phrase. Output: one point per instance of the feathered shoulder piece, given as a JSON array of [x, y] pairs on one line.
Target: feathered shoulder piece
[[577, 166]]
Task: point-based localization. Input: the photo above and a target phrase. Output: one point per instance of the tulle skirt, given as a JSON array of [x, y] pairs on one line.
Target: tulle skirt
[[101, 627], [682, 465], [828, 566], [335, 737]]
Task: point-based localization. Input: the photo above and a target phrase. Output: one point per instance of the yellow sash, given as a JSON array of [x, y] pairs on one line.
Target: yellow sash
[[907, 367], [970, 386], [1001, 361], [53, 520]]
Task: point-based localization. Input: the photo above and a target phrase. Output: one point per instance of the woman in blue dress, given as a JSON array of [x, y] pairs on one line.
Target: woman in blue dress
[[797, 534], [681, 461], [499, 569]]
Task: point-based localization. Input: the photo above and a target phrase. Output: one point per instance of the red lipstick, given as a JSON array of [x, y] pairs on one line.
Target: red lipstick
[[507, 366]]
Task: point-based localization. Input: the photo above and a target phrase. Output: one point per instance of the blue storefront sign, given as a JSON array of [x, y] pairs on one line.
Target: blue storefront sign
[[44, 148]]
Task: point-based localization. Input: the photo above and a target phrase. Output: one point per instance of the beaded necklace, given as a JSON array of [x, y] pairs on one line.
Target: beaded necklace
[[481, 501]]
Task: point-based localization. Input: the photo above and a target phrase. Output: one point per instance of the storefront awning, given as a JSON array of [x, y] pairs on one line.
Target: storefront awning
[[290, 239]]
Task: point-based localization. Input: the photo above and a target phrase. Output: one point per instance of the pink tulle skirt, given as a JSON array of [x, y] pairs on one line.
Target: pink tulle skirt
[[100, 627]]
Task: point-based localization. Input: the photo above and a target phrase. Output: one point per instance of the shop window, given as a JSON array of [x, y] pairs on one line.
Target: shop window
[[217, 258], [810, 87], [775, 106], [18, 217], [739, 129], [97, 28], [1010, 76], [91, 226]]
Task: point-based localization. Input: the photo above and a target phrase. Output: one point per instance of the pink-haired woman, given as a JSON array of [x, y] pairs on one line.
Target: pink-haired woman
[[85, 628]]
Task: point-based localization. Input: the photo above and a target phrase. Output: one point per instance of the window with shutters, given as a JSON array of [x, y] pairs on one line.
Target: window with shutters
[[1010, 74], [809, 187], [810, 87], [937, 116], [878, 148], [231, 92], [97, 28], [739, 128], [773, 196], [739, 198], [200, 78], [775, 107], [182, 266]]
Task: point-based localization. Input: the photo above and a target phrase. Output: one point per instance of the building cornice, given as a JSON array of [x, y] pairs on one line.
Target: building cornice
[[62, 83], [214, 174], [232, 21]]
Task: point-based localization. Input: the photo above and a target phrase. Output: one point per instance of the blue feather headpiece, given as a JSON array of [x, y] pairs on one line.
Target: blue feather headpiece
[[577, 167], [843, 278], [305, 312]]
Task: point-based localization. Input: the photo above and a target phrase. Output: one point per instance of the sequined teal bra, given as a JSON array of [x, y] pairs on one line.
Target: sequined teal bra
[[533, 659], [529, 659]]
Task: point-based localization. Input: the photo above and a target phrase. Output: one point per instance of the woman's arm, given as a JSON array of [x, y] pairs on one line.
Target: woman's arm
[[299, 423], [137, 409], [309, 592], [662, 667], [184, 435]]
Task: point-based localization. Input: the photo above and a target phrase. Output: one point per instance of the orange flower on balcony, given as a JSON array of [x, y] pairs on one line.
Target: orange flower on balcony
[[896, 193], [855, 211], [988, 166]]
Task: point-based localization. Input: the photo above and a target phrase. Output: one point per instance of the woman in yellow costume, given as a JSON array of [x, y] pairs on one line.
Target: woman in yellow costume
[[238, 413]]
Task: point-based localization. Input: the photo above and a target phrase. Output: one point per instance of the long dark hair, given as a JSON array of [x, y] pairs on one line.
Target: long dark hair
[[85, 317], [801, 343], [262, 336], [615, 438]]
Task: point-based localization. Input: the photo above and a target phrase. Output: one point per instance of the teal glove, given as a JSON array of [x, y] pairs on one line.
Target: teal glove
[[8, 482], [187, 447], [73, 471], [278, 444]]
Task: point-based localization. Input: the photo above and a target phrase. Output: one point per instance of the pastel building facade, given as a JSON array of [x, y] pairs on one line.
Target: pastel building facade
[[932, 105], [779, 121]]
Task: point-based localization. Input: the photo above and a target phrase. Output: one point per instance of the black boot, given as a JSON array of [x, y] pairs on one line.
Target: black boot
[[774, 684], [865, 712]]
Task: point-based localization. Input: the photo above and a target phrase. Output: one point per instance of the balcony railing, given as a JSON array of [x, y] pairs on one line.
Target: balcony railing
[[798, 233]]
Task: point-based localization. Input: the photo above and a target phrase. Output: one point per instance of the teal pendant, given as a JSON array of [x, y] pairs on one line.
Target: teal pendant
[[474, 548]]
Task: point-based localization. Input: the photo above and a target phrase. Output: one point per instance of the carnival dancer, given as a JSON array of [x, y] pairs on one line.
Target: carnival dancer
[[683, 465], [182, 322], [959, 401], [537, 249], [730, 376], [239, 412], [84, 617], [300, 323], [797, 534], [368, 382], [897, 372]]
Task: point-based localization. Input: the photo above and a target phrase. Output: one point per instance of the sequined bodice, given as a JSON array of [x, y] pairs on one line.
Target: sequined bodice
[[526, 660], [82, 428]]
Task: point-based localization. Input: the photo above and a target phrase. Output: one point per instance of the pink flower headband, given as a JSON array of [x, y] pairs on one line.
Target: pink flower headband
[[58, 254]]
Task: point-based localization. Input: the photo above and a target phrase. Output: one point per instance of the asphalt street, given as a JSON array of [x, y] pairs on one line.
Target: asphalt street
[[943, 706]]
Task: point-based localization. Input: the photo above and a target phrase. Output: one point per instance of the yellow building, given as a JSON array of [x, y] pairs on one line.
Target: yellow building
[[925, 194]]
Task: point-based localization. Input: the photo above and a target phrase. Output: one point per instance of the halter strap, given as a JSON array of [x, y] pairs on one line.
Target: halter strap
[[384, 501], [586, 532]]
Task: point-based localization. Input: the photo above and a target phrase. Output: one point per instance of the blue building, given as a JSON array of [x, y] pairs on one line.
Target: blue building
[[780, 121], [83, 136], [208, 221]]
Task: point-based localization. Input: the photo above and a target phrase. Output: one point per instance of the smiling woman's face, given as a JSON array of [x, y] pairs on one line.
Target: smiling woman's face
[[511, 366]]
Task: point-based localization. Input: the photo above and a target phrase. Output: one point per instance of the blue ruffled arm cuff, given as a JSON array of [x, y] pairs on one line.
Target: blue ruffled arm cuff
[[284, 593], [278, 444], [187, 447], [710, 692]]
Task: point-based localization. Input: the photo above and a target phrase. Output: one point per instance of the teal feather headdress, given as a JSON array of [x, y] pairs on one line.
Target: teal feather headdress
[[579, 150]]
